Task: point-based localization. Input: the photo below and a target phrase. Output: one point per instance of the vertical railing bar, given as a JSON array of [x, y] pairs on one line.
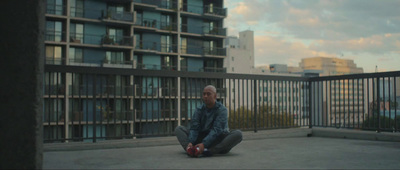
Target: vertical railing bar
[[159, 111], [245, 124], [383, 102], [236, 87], [101, 109], [228, 98], [358, 104], [56, 103], [72, 106], [374, 101], [255, 105], [310, 105], [115, 105], [363, 99], [395, 105], [48, 85], [326, 100], [87, 106], [379, 103], [94, 108], [248, 95], [133, 116], [275, 103], [121, 100], [318, 103], [262, 102], [162, 108], [389, 101], [353, 100], [108, 108]]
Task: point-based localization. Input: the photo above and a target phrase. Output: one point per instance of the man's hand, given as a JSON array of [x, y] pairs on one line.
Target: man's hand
[[201, 147], [189, 145]]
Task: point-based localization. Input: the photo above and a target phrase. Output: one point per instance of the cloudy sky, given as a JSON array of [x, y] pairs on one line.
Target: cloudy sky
[[366, 31]]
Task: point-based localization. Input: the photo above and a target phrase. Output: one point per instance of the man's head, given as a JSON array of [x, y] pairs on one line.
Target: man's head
[[209, 96]]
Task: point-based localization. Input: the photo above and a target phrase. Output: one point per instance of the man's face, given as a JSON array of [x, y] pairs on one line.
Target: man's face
[[209, 96]]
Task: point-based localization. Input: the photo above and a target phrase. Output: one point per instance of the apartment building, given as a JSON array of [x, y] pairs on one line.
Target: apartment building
[[174, 35]]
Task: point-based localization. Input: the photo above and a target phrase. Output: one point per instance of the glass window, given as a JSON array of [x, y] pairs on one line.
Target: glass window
[[53, 55], [183, 45], [75, 55], [76, 8], [113, 57], [54, 31]]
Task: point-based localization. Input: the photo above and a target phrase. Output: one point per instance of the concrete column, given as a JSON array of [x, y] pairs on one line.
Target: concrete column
[[22, 59]]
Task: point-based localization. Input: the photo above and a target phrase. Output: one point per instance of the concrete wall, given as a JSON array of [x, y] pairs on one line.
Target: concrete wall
[[22, 54]]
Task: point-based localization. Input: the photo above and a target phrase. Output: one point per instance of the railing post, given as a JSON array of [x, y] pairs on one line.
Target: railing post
[[255, 105], [309, 104], [378, 105]]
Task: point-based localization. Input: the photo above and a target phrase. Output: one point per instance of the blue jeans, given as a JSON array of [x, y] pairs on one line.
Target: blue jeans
[[223, 144]]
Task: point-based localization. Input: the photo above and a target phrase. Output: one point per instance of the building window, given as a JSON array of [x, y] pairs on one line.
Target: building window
[[233, 70], [54, 31], [75, 55], [233, 58], [53, 55]]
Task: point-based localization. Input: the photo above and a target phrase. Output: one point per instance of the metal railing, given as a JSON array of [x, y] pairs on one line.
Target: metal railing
[[99, 14], [362, 101], [167, 4], [100, 104]]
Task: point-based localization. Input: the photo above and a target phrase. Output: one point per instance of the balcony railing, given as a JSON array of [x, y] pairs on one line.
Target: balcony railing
[[215, 10], [215, 51], [253, 101], [214, 31], [55, 36], [166, 4], [100, 14], [117, 40], [119, 16]]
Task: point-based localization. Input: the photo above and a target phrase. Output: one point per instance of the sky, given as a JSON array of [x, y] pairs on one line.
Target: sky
[[285, 31]]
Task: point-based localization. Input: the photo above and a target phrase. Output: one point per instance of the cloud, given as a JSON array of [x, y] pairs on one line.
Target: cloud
[[288, 30], [375, 44], [276, 50]]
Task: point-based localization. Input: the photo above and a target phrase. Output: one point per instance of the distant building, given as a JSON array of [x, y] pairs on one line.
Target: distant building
[[330, 65], [278, 68], [240, 53], [240, 59]]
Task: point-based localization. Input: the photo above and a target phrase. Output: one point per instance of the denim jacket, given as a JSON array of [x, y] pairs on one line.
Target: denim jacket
[[213, 121]]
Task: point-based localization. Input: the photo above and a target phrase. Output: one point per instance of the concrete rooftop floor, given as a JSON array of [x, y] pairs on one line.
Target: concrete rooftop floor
[[270, 149]]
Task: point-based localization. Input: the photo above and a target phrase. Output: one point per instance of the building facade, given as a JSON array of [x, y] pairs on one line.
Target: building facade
[[173, 35]]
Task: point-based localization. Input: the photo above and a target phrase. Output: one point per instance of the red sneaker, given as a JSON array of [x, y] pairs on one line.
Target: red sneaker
[[190, 151], [193, 151]]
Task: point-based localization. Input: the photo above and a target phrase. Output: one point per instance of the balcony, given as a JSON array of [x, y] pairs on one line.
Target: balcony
[[215, 11], [214, 31], [91, 14], [214, 51], [147, 46]]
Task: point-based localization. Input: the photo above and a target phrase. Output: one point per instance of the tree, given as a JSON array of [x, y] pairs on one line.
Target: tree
[[266, 117]]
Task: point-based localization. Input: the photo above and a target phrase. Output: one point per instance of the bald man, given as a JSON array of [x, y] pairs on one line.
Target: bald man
[[209, 133]]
